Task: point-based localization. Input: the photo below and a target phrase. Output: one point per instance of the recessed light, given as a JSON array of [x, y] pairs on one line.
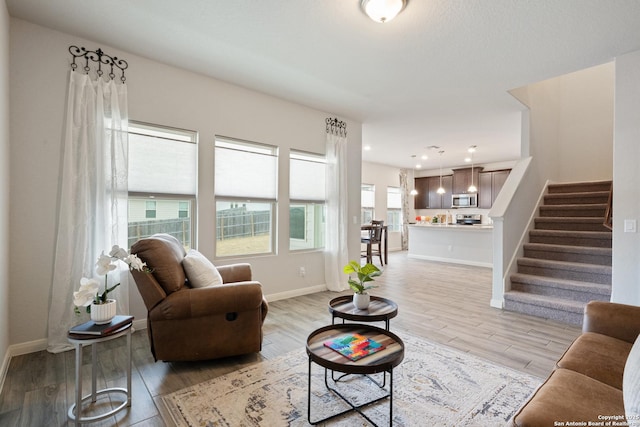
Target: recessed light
[[424, 157], [366, 148], [418, 166]]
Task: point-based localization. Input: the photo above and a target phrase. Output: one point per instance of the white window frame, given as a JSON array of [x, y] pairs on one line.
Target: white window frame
[[179, 136], [365, 207], [310, 200], [221, 197]]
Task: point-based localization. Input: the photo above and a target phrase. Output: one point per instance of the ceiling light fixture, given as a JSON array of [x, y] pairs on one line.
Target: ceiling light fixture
[[440, 189], [382, 10], [472, 188]]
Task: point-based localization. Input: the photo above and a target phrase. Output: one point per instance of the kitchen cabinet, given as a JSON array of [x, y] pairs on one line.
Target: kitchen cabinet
[[489, 186], [462, 179], [440, 201], [421, 200], [428, 197]]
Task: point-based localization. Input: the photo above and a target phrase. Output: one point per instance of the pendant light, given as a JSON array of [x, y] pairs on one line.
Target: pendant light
[[413, 192], [440, 189], [472, 188]]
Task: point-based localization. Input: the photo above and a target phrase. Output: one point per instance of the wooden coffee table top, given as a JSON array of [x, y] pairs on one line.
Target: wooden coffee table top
[[382, 361], [379, 309]]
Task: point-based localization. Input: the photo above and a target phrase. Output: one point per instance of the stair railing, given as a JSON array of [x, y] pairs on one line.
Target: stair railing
[[608, 215]]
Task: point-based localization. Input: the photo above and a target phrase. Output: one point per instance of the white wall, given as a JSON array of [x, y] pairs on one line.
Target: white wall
[[4, 189], [626, 176], [158, 94], [383, 176], [572, 124]]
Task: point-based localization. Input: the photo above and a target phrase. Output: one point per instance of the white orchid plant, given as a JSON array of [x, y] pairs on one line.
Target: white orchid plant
[[89, 292]]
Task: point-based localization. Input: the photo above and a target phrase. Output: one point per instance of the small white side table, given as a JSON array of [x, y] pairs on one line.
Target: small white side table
[[75, 410]]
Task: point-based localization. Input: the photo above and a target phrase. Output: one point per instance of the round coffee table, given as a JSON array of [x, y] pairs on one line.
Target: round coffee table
[[379, 310], [381, 361]]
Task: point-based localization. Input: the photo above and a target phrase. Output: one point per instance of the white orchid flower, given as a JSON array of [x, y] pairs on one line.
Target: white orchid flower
[[118, 252], [104, 264], [87, 292], [135, 262]]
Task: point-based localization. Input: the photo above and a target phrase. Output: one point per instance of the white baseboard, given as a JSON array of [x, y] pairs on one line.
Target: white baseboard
[[452, 260], [296, 293], [140, 324], [28, 347]]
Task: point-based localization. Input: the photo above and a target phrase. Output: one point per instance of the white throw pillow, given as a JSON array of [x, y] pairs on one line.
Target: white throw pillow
[[631, 385], [200, 271]]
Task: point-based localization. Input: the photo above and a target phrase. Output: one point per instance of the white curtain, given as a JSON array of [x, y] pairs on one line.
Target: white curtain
[[336, 250], [405, 198], [92, 205]]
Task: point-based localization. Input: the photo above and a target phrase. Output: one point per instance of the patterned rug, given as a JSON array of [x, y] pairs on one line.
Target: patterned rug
[[433, 386]]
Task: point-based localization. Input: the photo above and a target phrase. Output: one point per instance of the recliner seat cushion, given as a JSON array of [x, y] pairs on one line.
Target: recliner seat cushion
[[570, 396], [163, 254], [598, 356]]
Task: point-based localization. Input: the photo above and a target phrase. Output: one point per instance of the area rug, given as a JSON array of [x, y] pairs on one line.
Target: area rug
[[433, 386]]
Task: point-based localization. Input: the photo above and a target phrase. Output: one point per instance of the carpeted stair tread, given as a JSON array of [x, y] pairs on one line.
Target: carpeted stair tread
[[565, 270], [574, 210], [575, 187], [593, 197], [566, 284], [600, 239], [585, 223], [585, 254], [561, 310]]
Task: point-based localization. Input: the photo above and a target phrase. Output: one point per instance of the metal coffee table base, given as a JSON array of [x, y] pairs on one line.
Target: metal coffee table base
[[353, 408]]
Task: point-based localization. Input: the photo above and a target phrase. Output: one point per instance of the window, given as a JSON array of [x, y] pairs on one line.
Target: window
[[394, 209], [150, 209], [245, 192], [367, 202], [162, 182], [307, 209]]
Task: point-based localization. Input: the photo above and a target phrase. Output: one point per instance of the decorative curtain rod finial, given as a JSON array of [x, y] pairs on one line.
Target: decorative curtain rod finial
[[99, 57], [336, 127]]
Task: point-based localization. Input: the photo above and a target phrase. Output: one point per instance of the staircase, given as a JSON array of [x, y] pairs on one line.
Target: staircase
[[567, 261]]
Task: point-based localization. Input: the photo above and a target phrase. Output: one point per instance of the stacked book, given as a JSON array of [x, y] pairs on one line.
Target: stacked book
[[90, 330]]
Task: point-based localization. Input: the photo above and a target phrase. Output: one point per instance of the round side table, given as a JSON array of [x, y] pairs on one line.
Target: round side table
[[75, 411], [381, 361], [379, 310]]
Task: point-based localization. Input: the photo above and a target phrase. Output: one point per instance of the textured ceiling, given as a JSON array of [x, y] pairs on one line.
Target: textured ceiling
[[438, 74]]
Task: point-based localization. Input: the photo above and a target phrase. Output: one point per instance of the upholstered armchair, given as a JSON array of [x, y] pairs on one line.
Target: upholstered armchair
[[195, 310]]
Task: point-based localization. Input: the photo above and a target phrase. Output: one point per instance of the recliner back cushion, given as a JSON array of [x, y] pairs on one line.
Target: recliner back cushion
[[163, 254]]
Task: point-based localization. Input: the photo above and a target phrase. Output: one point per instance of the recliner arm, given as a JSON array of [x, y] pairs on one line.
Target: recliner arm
[[615, 320], [226, 298]]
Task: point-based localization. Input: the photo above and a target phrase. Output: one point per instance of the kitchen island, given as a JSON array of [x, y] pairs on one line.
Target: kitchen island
[[460, 244]]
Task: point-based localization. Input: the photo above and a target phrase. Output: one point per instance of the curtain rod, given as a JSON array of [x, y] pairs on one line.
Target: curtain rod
[[101, 58], [336, 127]]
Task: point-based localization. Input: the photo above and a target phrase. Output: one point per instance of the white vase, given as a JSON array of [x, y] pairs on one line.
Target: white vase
[[361, 301], [103, 313]]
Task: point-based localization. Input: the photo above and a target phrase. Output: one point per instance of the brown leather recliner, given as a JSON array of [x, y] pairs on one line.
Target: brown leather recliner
[[186, 323]]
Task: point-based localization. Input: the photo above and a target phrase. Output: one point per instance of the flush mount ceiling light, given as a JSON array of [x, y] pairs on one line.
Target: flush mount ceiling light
[[382, 10]]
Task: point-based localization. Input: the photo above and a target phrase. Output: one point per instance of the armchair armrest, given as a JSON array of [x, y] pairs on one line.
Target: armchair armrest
[[615, 320], [235, 272], [226, 298]]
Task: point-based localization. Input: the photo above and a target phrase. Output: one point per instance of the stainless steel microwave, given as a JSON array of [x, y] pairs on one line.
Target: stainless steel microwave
[[464, 200]]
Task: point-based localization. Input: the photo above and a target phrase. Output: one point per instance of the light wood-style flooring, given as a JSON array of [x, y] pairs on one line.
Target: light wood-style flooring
[[445, 303]]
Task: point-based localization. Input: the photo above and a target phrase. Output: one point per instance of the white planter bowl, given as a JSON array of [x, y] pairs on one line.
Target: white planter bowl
[[361, 301], [103, 313]]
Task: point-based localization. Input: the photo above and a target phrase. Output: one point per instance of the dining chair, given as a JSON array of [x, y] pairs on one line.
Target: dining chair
[[373, 238]]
